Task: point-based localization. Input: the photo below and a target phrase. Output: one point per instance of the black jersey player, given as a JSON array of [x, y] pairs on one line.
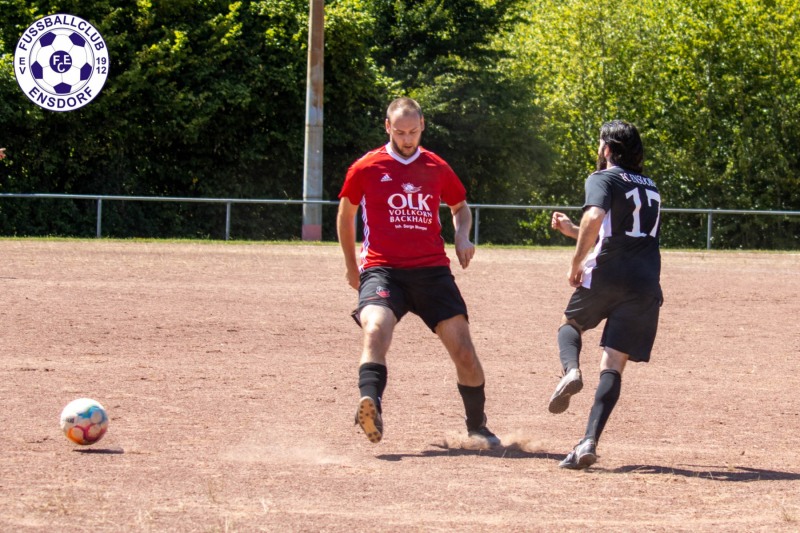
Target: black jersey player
[[615, 272]]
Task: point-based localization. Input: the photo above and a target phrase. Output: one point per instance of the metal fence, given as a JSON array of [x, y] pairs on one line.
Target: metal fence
[[476, 208], [708, 212]]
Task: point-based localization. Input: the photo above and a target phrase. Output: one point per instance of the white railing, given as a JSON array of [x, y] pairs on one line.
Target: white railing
[[708, 212], [229, 202]]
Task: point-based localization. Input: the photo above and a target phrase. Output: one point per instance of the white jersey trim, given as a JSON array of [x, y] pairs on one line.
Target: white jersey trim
[[400, 159], [591, 261], [365, 243]]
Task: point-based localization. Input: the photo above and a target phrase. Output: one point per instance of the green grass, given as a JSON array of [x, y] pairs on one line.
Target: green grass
[[298, 242]]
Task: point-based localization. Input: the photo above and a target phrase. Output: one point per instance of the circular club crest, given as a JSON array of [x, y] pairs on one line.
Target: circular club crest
[[61, 62]]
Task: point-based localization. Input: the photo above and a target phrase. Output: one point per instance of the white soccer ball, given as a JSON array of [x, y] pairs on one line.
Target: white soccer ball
[[84, 421], [61, 61]]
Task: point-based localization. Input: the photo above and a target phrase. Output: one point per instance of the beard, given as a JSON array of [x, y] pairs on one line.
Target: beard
[[602, 162], [406, 153]]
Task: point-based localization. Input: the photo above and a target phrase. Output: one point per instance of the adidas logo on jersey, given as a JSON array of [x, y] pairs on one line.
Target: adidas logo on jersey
[[385, 178]]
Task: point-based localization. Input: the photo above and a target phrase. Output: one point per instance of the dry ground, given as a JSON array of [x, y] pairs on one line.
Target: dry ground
[[229, 374]]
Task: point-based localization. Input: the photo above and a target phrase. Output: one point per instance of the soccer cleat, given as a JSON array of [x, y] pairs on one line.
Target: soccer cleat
[[570, 384], [582, 456], [483, 436], [369, 418]]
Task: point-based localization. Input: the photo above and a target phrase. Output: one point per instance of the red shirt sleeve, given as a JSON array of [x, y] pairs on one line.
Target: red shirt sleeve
[[453, 191], [352, 188]]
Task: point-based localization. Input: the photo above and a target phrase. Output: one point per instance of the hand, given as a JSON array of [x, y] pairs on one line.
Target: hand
[[562, 223], [353, 278], [465, 251], [575, 276]]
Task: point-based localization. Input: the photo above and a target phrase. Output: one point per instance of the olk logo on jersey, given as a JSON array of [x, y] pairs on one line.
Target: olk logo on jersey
[[410, 199], [411, 207], [61, 62]]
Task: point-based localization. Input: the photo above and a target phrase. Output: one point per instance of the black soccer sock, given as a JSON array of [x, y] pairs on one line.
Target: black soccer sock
[[372, 381], [474, 401], [569, 347], [604, 401]]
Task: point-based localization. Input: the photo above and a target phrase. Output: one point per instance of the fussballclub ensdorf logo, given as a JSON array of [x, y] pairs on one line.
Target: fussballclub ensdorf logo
[[61, 62]]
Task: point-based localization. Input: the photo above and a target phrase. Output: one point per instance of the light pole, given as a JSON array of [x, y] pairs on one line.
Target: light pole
[[312, 161]]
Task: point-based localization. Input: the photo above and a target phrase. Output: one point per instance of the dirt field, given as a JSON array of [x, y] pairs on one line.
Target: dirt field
[[229, 373]]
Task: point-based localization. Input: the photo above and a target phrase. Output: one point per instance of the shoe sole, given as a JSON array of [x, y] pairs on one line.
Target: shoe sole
[[569, 465], [587, 460], [367, 416], [584, 461], [559, 402]]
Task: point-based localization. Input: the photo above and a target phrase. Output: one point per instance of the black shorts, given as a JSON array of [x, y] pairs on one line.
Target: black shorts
[[631, 319], [430, 293]]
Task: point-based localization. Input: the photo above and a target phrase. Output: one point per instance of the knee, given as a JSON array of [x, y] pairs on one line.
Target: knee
[[376, 320], [377, 332], [371, 328], [466, 358]]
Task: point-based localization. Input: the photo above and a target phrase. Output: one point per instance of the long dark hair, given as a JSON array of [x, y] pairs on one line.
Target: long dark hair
[[625, 143]]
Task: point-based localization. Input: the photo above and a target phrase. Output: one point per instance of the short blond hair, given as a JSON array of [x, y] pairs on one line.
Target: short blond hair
[[405, 105]]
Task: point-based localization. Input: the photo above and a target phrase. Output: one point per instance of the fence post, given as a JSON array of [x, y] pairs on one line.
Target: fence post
[[708, 232], [227, 220], [99, 230]]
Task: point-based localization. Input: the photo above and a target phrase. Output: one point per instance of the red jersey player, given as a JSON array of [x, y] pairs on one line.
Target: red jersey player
[[403, 265]]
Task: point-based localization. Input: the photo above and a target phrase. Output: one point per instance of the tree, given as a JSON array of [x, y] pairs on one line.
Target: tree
[[711, 84], [449, 56], [203, 100], [207, 99]]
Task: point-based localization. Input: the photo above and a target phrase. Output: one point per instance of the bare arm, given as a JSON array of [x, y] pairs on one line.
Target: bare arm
[[462, 222], [591, 222], [346, 229], [562, 223]]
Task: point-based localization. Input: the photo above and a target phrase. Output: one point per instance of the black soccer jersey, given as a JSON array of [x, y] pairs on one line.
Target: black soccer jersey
[[626, 256]]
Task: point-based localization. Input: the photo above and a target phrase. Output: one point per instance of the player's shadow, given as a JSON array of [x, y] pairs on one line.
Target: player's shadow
[[512, 451], [714, 473]]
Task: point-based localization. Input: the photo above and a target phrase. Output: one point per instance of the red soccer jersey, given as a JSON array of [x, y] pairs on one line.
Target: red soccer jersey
[[400, 201]]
